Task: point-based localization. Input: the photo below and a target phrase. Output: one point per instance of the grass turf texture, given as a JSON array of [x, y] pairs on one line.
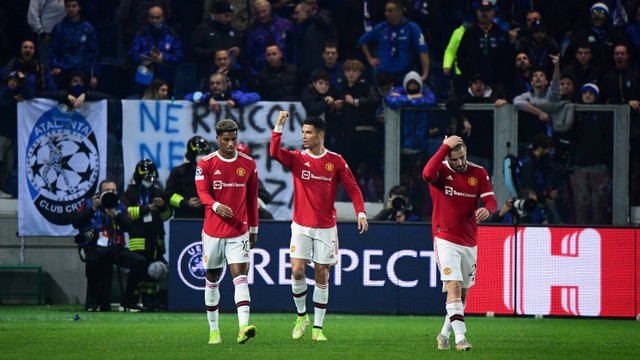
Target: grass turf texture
[[30, 332]]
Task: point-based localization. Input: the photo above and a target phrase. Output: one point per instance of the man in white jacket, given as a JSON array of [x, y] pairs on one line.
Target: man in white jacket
[[42, 16]]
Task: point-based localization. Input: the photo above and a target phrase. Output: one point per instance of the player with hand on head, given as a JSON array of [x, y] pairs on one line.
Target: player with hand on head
[[456, 187], [316, 174], [227, 184]]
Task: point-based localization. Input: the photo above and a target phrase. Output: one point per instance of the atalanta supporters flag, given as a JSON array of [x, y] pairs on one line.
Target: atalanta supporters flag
[[61, 160]]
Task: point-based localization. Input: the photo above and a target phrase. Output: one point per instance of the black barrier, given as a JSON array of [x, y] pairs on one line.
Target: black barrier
[[389, 270]]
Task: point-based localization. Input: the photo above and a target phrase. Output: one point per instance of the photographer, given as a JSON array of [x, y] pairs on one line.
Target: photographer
[[525, 208], [101, 222], [398, 208]]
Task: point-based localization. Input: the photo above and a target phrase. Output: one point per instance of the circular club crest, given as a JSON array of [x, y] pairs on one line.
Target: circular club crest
[[191, 268], [472, 181], [329, 166], [241, 171], [62, 164]]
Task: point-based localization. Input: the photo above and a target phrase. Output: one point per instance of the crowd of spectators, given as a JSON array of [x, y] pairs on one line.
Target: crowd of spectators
[[338, 57]]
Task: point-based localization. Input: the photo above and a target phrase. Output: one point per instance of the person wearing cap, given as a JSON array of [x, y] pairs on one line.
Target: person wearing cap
[[539, 46], [599, 35], [476, 127], [214, 33], [148, 210], [398, 41], [592, 157], [486, 49]]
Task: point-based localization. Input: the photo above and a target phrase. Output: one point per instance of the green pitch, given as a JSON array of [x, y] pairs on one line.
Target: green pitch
[[32, 332]]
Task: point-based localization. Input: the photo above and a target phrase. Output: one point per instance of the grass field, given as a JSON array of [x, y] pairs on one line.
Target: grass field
[[31, 332]]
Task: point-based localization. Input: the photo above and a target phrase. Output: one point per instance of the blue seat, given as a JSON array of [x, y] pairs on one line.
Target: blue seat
[[186, 80]]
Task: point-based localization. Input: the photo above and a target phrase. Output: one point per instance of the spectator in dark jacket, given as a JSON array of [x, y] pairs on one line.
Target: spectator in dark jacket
[[319, 99], [476, 127], [73, 47], [214, 33], [361, 128], [36, 75], [265, 30], [279, 81], [485, 49], [312, 30], [159, 45], [11, 93]]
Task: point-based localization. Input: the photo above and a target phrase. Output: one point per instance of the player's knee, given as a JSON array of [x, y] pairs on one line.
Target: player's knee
[[298, 274]]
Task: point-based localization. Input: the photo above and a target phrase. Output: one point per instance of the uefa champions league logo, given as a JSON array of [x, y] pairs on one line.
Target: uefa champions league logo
[[62, 164], [190, 267]]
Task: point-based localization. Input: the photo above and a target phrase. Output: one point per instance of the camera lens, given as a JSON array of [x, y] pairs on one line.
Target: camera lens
[[109, 199], [526, 206], [398, 203]]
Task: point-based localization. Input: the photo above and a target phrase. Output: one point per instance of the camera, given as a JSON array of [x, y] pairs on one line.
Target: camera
[[85, 237], [109, 199], [524, 206], [398, 204]]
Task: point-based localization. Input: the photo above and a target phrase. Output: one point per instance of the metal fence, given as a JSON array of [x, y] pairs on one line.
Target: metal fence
[[505, 132]]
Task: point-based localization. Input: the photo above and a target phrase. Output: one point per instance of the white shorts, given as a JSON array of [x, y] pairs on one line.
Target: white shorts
[[217, 252], [313, 244], [456, 262]]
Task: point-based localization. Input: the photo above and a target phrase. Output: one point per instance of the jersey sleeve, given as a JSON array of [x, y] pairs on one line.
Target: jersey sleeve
[[486, 193], [252, 201], [203, 184], [352, 188], [430, 171], [283, 156]]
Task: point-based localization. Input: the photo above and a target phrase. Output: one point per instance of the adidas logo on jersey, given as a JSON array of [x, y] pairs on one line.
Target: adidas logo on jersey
[[449, 177], [217, 172], [307, 164]]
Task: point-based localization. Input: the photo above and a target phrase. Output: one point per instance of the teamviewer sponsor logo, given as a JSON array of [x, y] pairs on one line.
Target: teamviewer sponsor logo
[[306, 174], [217, 185], [448, 190], [552, 271]]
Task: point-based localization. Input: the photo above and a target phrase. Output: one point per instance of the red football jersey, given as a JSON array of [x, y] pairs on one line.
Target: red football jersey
[[455, 198], [315, 184], [234, 183]]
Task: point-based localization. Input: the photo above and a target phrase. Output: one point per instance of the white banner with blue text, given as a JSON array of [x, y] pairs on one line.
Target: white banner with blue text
[[159, 131]]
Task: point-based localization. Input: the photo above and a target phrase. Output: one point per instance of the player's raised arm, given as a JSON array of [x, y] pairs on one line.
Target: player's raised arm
[[275, 148]]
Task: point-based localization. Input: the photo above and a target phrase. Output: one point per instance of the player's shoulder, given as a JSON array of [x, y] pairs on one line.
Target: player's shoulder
[[476, 169], [246, 160]]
